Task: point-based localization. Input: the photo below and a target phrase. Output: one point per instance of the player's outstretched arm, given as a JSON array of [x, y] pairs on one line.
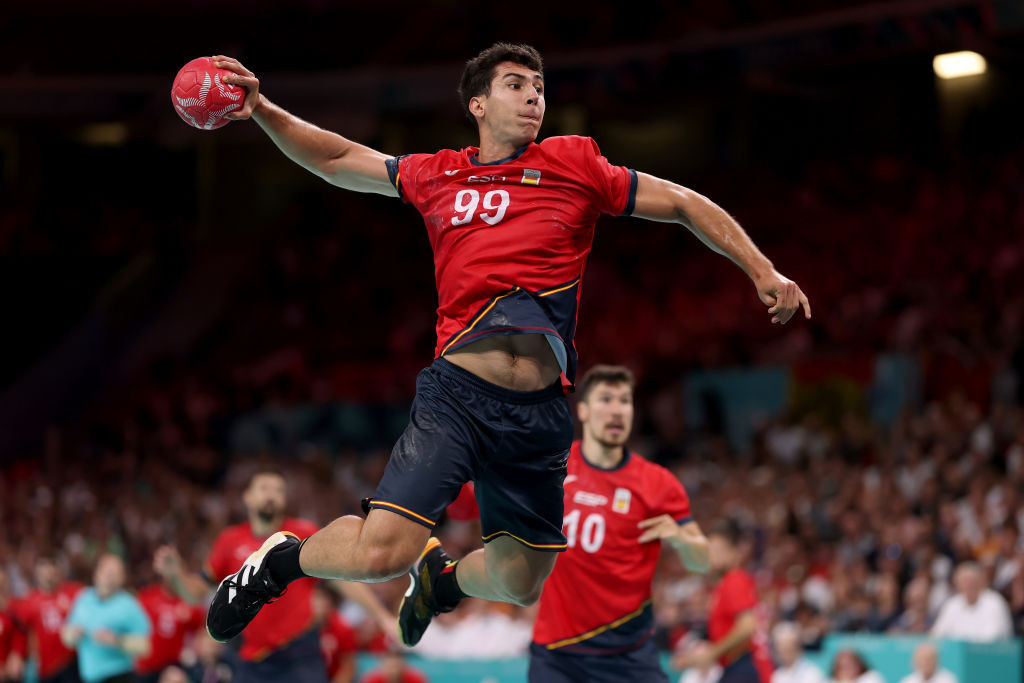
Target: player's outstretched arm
[[664, 201], [337, 160]]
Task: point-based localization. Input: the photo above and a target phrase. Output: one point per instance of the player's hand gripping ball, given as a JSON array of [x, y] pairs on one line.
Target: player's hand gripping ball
[[201, 97]]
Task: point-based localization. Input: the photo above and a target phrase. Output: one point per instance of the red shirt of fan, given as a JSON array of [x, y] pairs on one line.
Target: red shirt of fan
[[511, 237], [8, 637], [337, 641], [736, 593], [283, 620], [407, 676], [597, 599], [42, 615], [172, 619]]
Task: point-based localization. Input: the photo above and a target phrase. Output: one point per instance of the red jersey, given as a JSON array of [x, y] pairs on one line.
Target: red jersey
[[41, 615], [337, 641], [736, 593], [598, 597], [511, 237], [8, 637], [281, 621], [172, 619]]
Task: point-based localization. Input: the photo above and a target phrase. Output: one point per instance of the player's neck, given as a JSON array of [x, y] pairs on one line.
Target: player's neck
[[261, 529], [600, 455], [493, 147]]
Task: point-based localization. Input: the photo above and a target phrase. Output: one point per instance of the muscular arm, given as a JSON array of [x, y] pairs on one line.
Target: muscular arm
[[666, 202], [337, 160]]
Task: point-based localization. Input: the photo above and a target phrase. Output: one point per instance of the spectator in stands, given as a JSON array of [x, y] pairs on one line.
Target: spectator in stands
[[915, 617], [850, 667], [789, 655], [975, 613], [211, 666], [926, 667], [338, 640], [107, 625], [11, 656]]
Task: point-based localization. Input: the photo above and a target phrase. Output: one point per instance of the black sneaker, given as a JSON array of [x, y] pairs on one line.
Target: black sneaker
[[419, 606], [240, 596]]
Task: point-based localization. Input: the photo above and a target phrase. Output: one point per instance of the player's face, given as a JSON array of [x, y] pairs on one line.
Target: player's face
[[514, 109], [109, 575], [265, 496], [721, 554], [607, 414], [47, 576]]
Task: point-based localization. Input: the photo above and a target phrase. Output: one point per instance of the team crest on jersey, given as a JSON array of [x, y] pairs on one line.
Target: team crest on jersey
[[595, 500], [531, 177], [621, 501]]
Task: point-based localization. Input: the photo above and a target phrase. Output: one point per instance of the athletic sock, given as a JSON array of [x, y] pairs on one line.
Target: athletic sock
[[446, 588], [284, 566]]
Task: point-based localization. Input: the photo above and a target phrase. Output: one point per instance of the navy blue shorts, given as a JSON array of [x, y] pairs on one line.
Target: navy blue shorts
[[513, 444], [556, 666], [741, 671], [299, 661]]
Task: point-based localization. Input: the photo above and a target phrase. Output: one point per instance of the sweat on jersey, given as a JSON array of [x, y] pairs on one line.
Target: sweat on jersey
[[598, 598], [281, 621], [511, 237]]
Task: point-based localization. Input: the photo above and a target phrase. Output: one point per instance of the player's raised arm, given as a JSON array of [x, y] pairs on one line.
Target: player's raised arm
[[664, 201], [334, 158]]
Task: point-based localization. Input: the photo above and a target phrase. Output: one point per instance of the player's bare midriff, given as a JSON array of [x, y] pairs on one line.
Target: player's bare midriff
[[520, 362]]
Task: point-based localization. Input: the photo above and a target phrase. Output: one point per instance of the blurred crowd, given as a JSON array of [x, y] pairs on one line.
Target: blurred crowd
[[854, 527]]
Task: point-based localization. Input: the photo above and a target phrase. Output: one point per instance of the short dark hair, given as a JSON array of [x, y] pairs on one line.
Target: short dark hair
[[730, 529], [479, 71], [608, 374], [262, 471]]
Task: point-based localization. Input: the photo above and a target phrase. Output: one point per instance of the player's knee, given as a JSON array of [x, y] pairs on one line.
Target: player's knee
[[380, 563], [523, 591]]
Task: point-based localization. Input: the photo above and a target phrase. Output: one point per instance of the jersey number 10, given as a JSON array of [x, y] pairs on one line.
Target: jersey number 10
[[467, 201], [592, 535]]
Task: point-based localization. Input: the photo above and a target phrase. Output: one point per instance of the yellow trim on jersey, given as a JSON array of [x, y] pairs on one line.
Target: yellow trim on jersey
[[476, 320], [561, 289], [541, 546], [402, 509], [600, 629]]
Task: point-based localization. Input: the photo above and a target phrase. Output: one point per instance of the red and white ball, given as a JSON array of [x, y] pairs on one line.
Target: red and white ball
[[202, 98]]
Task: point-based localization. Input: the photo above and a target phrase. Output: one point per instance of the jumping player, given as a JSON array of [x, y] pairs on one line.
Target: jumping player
[[511, 223], [618, 507], [736, 638]]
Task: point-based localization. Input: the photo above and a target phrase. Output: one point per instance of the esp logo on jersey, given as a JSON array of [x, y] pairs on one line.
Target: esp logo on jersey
[[620, 503]]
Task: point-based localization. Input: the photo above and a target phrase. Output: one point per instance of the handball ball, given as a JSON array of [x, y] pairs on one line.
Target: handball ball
[[201, 97]]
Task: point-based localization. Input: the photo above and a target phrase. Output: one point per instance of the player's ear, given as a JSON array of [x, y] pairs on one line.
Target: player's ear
[[582, 411], [478, 106]]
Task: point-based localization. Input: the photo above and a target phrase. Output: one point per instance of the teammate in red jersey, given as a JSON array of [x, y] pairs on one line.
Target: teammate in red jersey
[[338, 641], [173, 619], [619, 509], [735, 629], [41, 614], [283, 643], [511, 224]]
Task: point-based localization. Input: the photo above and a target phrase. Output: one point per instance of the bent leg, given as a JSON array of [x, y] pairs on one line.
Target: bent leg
[[504, 570], [381, 547]]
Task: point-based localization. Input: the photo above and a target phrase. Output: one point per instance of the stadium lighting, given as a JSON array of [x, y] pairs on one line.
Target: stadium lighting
[[959, 64]]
